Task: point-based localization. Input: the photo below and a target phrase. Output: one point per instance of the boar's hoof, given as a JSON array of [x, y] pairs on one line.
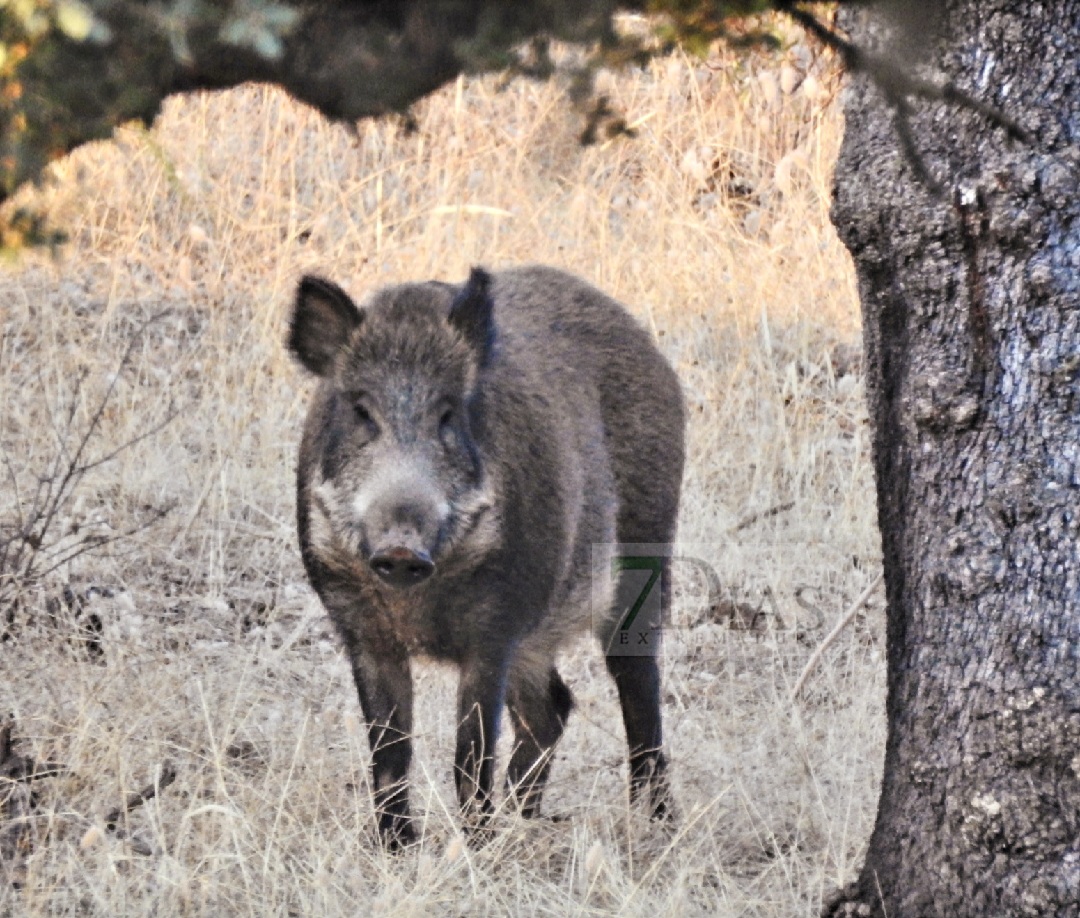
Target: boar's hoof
[[402, 567], [398, 836]]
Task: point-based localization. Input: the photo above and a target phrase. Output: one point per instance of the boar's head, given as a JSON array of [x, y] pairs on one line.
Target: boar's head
[[396, 477]]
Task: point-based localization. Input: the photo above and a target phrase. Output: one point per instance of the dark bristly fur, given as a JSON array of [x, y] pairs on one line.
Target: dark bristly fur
[[466, 450]]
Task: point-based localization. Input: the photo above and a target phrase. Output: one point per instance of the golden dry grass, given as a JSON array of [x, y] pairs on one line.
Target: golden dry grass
[[214, 655]]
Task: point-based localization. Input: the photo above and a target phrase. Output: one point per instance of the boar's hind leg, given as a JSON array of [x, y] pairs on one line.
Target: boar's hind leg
[[637, 678], [481, 692], [385, 688], [539, 711], [638, 682]]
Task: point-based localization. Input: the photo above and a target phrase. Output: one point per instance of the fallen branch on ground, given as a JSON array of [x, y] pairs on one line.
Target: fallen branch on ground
[[134, 801]]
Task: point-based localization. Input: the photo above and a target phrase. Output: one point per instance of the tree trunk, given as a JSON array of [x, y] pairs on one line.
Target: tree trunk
[[971, 311]]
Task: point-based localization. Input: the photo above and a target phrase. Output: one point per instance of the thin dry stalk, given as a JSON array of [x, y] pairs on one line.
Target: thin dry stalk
[[844, 621]]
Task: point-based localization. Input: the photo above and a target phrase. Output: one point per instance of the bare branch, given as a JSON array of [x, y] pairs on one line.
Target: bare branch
[[898, 84], [747, 521], [25, 553], [93, 542]]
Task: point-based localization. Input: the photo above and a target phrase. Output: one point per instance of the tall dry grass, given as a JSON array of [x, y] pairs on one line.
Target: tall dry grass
[[196, 641]]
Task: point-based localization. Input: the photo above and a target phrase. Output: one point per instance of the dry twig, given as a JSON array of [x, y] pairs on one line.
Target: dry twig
[[134, 801], [845, 620], [747, 521]]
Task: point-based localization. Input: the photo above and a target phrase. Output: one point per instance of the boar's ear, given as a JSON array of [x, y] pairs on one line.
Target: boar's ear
[[322, 320], [472, 314]]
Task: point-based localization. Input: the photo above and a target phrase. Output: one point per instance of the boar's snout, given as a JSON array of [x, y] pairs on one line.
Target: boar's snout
[[400, 566], [401, 514]]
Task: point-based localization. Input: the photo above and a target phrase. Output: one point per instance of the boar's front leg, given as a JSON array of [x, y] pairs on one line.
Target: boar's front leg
[[384, 684], [481, 692]]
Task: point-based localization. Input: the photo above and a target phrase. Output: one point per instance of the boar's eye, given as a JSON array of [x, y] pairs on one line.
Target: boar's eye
[[363, 416], [446, 426]]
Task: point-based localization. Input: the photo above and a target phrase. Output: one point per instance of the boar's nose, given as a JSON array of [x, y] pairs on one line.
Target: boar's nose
[[402, 567]]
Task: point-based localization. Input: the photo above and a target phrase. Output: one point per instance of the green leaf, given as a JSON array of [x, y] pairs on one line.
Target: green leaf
[[74, 19]]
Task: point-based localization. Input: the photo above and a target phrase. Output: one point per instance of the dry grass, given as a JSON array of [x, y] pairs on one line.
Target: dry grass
[[201, 645]]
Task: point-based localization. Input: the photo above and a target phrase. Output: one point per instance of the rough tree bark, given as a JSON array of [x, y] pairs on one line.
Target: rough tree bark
[[971, 308]]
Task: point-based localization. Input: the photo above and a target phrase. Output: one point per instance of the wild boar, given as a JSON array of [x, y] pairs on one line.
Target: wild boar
[[467, 450]]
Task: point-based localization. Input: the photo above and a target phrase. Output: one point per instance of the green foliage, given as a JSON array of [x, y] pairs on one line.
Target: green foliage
[[696, 25], [260, 25], [72, 70], [24, 228], [32, 133], [25, 27]]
